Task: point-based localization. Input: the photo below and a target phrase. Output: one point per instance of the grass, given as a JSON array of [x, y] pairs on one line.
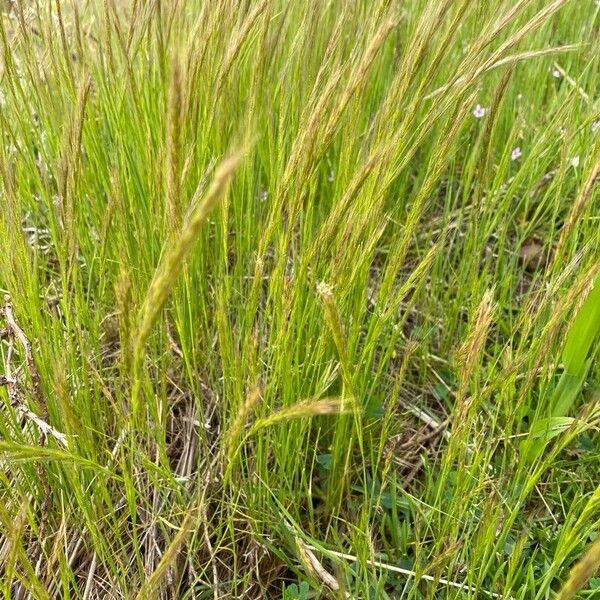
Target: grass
[[301, 299]]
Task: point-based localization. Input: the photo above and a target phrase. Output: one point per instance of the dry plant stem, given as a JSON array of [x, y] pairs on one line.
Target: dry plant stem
[[13, 332], [408, 573], [312, 563], [579, 206], [17, 332], [193, 514], [213, 558]]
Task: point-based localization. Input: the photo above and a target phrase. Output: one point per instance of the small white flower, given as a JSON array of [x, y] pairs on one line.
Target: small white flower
[[575, 162], [263, 195], [479, 111], [330, 177], [556, 73], [563, 131], [595, 126], [324, 290], [516, 153]]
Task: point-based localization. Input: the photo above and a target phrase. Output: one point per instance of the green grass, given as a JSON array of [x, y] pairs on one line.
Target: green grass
[[302, 299]]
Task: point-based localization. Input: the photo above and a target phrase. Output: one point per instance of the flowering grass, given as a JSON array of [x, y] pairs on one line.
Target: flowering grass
[[301, 299]]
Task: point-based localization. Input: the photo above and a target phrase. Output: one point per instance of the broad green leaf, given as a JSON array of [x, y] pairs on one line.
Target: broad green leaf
[[567, 390], [583, 332], [546, 429]]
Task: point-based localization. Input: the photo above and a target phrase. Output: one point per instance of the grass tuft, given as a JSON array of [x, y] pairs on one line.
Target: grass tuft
[[356, 357]]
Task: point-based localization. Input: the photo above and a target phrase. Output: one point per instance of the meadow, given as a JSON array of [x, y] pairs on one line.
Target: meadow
[[300, 299]]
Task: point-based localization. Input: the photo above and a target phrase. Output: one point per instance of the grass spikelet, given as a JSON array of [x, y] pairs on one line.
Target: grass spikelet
[[470, 354], [237, 42], [578, 207], [239, 423], [356, 78], [470, 351], [582, 572], [70, 163], [172, 264], [334, 321], [174, 148], [305, 409]]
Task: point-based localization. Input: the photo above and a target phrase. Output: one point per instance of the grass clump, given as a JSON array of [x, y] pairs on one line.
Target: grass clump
[[301, 299]]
